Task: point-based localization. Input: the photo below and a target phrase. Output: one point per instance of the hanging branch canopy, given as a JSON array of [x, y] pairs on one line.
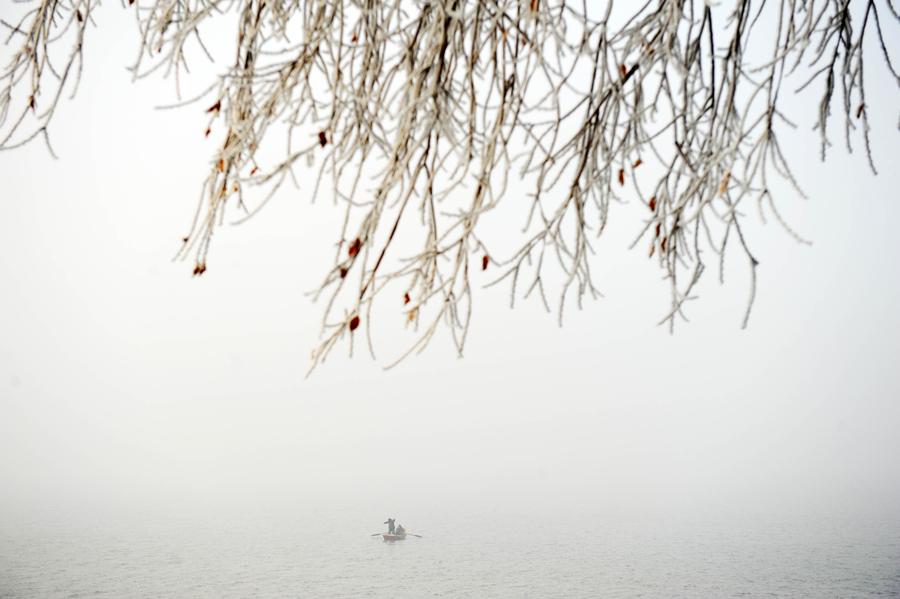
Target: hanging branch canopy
[[418, 112]]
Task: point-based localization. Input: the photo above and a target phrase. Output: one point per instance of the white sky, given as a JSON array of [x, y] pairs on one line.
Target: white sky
[[126, 386]]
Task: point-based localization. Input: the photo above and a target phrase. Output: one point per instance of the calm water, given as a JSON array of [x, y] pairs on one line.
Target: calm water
[[333, 556]]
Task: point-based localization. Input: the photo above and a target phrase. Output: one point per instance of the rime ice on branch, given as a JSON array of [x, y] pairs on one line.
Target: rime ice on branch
[[419, 112]]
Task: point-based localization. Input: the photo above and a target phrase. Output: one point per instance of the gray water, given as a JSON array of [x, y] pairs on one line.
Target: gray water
[[333, 555]]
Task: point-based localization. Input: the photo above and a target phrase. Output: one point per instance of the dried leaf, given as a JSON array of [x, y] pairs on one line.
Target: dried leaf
[[354, 247], [653, 203], [637, 163], [723, 187], [354, 323], [343, 272], [484, 262], [658, 226], [406, 298], [323, 139], [221, 165], [215, 107], [254, 170], [621, 176], [208, 131], [859, 110], [623, 71]]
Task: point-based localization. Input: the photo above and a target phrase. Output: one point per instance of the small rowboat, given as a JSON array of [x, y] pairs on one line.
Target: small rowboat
[[390, 537]]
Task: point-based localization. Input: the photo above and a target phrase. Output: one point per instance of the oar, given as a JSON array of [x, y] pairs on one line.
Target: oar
[[414, 535], [376, 534]]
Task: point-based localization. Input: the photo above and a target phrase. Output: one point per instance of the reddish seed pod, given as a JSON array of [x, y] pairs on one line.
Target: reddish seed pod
[[323, 139], [623, 70], [215, 107], [657, 229], [637, 163], [354, 247], [254, 170], [343, 272], [406, 298], [484, 262], [621, 176], [354, 323], [653, 203]]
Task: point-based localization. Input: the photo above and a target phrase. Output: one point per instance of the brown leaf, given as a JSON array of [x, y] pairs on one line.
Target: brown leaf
[[637, 163], [354, 323], [343, 272], [185, 239], [411, 315], [623, 71], [621, 176], [658, 225], [208, 131], [253, 170], [859, 110], [653, 203], [484, 262], [78, 16], [406, 298], [221, 165], [723, 186], [354, 247], [323, 139], [215, 107], [662, 245], [31, 102], [354, 38], [534, 5], [199, 269]]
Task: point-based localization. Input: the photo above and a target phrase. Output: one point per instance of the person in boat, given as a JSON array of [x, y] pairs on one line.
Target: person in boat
[[400, 530], [390, 523]]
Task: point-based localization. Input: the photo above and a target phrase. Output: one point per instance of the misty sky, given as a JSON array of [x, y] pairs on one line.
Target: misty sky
[[128, 387]]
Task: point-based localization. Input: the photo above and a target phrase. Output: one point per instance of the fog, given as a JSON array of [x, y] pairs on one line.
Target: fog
[[128, 388]]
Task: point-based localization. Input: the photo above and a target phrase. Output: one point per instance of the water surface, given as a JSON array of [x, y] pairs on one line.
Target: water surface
[[333, 555]]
